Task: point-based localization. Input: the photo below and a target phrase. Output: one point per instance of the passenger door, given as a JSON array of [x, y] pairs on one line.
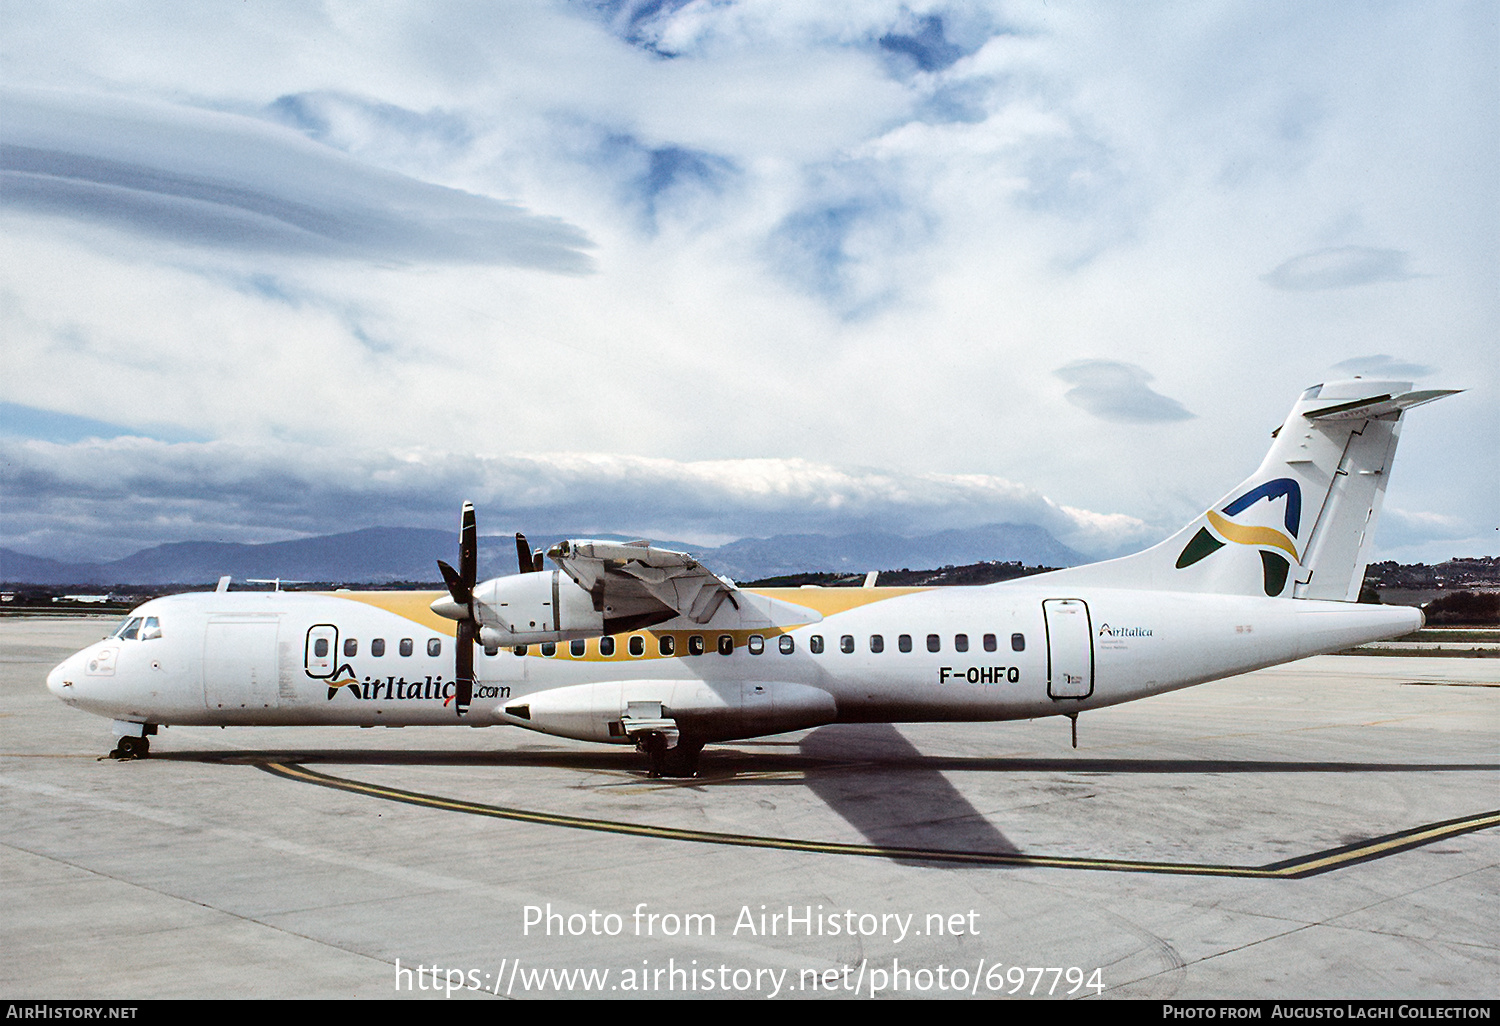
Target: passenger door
[[1070, 648], [320, 658]]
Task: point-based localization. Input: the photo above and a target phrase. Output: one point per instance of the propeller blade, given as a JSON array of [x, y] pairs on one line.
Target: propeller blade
[[523, 554], [463, 658], [468, 549], [460, 584], [537, 557], [455, 584]]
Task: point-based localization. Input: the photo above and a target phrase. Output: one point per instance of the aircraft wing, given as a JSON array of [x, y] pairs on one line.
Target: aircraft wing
[[630, 580]]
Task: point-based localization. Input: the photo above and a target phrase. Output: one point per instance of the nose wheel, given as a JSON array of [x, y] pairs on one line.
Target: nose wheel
[[128, 747]]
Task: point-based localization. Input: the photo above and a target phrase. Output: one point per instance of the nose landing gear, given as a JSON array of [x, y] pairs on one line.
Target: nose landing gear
[[132, 740], [128, 747]]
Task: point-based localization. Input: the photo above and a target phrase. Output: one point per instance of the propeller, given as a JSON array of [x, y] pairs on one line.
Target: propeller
[[530, 562], [460, 584]]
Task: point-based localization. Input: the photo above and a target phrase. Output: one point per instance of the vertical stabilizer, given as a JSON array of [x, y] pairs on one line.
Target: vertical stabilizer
[[1301, 525]]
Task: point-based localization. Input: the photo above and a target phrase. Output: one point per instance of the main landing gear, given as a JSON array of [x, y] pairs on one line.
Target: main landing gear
[[678, 761]]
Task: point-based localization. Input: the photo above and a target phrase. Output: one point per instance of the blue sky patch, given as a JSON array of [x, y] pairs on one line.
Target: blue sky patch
[[18, 421]]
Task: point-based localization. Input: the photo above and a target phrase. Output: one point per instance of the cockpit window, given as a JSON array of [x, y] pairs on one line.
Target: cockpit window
[[152, 629], [131, 629]]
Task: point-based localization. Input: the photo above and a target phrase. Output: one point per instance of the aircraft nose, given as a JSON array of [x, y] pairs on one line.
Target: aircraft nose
[[60, 680]]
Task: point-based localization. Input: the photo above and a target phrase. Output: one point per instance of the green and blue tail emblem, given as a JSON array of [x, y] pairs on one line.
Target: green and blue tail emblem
[[1275, 546]]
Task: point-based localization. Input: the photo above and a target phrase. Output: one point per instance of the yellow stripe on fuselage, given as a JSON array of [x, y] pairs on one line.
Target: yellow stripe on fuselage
[[1252, 535], [415, 606]]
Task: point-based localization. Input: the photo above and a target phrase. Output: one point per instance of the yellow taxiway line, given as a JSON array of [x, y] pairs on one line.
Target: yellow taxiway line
[[1287, 869]]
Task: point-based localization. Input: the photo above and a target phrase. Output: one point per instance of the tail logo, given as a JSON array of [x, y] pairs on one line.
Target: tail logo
[[1276, 566]]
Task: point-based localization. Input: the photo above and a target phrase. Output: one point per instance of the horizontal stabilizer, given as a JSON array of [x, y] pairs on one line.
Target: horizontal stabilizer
[[1379, 405]]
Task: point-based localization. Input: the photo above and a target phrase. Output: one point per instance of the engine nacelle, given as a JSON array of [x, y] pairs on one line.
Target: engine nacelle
[[529, 609], [710, 712]]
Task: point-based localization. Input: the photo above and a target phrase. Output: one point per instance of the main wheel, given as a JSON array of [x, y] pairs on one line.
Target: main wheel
[[681, 761]]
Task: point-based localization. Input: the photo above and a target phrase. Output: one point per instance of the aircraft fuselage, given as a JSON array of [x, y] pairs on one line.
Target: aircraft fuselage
[[1015, 650]]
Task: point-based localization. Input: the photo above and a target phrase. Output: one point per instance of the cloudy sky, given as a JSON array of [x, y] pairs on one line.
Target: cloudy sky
[[701, 270]]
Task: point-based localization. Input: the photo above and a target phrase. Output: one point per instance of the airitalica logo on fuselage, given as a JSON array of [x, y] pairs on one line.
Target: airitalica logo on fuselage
[[400, 689], [1273, 563], [1106, 631], [393, 688]]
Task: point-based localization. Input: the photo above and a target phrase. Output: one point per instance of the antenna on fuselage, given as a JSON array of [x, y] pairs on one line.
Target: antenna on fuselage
[[276, 581]]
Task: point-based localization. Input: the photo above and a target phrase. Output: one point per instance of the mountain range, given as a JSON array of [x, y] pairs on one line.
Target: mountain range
[[380, 555]]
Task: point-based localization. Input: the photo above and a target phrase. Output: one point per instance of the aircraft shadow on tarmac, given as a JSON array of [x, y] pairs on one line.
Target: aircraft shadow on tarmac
[[869, 774]]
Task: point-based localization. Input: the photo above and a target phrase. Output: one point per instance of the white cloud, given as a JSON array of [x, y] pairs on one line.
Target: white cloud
[[1379, 365], [1116, 391], [206, 178], [1341, 267], [827, 235], [127, 491], [1424, 536]]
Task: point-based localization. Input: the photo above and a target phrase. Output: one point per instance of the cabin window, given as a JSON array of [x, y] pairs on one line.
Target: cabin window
[[577, 648], [607, 647], [846, 643], [1018, 642], [877, 643], [637, 645], [434, 646], [786, 644], [549, 649], [815, 643], [989, 643], [351, 648], [666, 644], [934, 643], [151, 630], [695, 644], [320, 648], [757, 644], [377, 647], [726, 644], [406, 646], [904, 642], [960, 642]]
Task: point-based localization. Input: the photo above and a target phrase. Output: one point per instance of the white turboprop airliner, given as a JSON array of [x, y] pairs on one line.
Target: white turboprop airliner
[[633, 644]]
